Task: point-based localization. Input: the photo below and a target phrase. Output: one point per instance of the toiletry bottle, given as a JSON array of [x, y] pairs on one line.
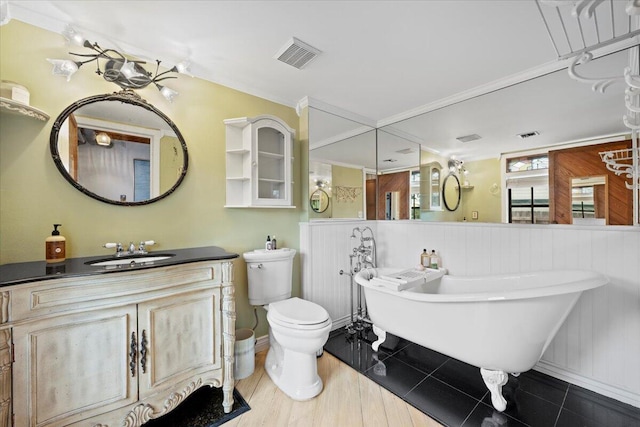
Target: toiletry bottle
[[268, 244], [434, 260], [55, 246], [274, 244], [425, 259]]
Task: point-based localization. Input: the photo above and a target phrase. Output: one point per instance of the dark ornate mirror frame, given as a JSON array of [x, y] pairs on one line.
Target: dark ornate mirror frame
[[449, 204], [127, 97], [322, 194]]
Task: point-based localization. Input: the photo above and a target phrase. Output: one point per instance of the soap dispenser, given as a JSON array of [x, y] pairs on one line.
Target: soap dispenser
[[55, 246], [425, 259], [435, 260]]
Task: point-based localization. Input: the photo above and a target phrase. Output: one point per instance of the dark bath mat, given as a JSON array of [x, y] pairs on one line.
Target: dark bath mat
[[203, 408]]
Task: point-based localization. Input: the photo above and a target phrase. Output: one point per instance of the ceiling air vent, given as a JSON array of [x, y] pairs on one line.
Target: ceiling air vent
[[528, 134], [296, 53], [469, 138]]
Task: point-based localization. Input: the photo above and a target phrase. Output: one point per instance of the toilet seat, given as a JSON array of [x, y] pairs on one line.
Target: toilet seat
[[298, 314]]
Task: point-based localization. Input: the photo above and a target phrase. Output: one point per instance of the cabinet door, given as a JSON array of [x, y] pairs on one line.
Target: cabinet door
[[73, 367], [179, 338], [272, 160]]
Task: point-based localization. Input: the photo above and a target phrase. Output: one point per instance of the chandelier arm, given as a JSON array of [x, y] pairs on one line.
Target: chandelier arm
[[173, 70], [156, 79]]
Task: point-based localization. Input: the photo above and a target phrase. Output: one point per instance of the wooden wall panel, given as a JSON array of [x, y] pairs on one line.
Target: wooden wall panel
[[371, 198], [585, 161], [394, 182]]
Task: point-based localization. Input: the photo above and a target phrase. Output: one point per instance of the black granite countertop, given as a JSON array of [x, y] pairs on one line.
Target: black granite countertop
[[23, 272]]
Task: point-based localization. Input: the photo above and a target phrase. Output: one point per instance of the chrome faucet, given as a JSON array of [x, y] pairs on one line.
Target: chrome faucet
[[362, 257], [141, 250]]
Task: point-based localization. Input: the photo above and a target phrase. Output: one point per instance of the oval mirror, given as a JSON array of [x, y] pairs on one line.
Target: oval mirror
[[319, 201], [451, 192], [119, 149]]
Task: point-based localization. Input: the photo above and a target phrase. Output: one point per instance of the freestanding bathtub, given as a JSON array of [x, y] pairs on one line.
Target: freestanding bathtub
[[501, 324]]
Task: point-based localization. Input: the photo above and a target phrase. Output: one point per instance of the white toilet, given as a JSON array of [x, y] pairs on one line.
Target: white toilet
[[298, 329]]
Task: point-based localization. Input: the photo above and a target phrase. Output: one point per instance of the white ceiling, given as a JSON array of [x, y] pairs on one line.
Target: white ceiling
[[382, 60]]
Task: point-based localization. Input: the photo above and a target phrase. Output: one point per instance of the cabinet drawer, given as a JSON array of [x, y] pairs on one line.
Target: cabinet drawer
[[128, 286]]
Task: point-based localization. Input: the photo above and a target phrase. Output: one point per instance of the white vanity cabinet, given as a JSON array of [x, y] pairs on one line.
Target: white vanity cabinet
[[259, 162], [123, 348]]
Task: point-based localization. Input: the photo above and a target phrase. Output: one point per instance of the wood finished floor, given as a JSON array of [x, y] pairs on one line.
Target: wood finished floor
[[349, 399]]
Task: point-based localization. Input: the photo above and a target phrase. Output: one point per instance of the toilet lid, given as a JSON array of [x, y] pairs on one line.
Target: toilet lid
[[298, 311]]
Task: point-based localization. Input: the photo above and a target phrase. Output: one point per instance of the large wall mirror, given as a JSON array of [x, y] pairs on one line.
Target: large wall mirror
[[119, 149], [589, 200], [342, 163], [557, 113], [400, 195]]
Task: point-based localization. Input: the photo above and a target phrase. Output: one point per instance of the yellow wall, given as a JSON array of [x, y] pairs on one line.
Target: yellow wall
[[482, 175], [33, 194], [443, 214], [346, 177]]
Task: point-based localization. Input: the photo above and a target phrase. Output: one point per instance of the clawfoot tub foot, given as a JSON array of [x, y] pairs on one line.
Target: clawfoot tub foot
[[494, 381], [382, 336]]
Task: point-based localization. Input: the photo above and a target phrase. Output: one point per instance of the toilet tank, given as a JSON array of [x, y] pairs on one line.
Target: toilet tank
[[269, 275]]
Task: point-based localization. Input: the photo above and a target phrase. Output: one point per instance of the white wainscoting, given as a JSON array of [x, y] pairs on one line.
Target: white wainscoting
[[324, 251], [598, 347]]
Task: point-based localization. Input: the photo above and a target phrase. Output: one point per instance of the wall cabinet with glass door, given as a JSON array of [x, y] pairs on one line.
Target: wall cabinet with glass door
[[259, 162]]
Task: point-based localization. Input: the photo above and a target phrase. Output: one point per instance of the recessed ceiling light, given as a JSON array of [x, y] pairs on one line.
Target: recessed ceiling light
[[469, 138]]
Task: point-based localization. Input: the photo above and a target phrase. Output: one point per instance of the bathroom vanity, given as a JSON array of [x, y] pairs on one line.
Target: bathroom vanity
[[114, 345]]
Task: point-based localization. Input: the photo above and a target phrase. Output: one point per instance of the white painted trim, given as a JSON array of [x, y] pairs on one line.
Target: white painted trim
[[588, 383], [502, 83], [341, 137], [405, 135], [331, 109], [262, 343]]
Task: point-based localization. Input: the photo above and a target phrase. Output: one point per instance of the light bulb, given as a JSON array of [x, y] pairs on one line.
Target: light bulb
[[183, 68], [72, 36], [103, 139], [168, 93], [64, 67]]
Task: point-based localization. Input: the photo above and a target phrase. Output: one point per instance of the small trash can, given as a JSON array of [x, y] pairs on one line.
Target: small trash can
[[244, 350]]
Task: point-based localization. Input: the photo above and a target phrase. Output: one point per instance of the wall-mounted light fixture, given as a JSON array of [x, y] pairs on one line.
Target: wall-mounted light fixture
[[457, 166], [116, 68], [103, 139]]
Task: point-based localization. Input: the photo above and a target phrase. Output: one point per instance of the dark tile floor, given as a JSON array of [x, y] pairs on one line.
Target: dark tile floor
[[454, 394]]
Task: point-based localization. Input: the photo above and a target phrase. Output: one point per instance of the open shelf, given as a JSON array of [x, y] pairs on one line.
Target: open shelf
[[14, 107]]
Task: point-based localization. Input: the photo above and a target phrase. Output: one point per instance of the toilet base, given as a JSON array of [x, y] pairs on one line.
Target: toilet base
[[296, 374]]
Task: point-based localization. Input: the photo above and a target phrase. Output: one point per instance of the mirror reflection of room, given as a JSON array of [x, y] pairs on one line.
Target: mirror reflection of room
[[589, 200], [122, 153]]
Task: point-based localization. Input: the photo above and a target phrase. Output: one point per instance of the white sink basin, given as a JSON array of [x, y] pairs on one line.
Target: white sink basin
[[130, 261]]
